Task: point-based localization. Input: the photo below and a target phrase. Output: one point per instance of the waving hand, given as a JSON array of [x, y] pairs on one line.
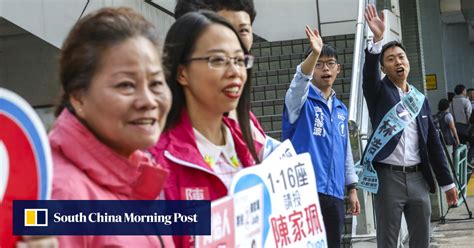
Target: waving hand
[[375, 22], [314, 39]]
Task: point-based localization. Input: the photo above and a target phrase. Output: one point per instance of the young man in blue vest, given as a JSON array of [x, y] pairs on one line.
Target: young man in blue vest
[[405, 162], [316, 122]]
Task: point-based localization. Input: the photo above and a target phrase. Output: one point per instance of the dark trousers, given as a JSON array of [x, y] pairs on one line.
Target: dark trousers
[[402, 192], [332, 209]]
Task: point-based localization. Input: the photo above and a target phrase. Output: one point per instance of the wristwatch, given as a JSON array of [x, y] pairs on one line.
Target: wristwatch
[[352, 186]]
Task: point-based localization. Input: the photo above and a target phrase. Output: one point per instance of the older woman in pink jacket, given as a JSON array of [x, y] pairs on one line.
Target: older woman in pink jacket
[[115, 104]]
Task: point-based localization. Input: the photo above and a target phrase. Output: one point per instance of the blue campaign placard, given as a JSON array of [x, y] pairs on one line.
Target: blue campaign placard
[[107, 217]]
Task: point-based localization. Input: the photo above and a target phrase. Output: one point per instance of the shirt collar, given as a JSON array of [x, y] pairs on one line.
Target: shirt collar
[[400, 91], [321, 94], [211, 152]]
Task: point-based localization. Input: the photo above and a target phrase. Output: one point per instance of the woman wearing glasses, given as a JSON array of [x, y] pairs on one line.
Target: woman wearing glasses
[[207, 69]]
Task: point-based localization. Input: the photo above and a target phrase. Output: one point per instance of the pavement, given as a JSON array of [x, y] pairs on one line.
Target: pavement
[[457, 231]]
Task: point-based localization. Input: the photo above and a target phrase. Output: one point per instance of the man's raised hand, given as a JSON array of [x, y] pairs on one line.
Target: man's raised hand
[[375, 22], [314, 39]]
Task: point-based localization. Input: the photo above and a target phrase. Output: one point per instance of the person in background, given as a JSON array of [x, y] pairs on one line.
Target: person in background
[[114, 106], [240, 14], [470, 95], [446, 125], [207, 69], [405, 163], [316, 122], [183, 7], [461, 109], [450, 97]]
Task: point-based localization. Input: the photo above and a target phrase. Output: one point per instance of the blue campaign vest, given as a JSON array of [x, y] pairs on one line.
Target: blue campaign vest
[[324, 135]]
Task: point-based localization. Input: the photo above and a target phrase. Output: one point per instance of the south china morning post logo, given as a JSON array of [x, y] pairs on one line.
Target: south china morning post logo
[[36, 217], [98, 217], [107, 217]]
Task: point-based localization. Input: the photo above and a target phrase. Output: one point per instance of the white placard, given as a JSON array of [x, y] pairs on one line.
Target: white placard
[[291, 213], [248, 210]]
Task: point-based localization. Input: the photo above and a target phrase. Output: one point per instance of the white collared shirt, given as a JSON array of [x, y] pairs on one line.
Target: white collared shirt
[[223, 160], [461, 109], [407, 151]]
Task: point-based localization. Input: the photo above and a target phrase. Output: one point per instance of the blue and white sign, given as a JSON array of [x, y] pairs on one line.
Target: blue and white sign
[[291, 212]]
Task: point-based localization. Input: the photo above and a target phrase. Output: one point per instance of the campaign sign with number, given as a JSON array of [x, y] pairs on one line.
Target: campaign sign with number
[[25, 159], [291, 212]]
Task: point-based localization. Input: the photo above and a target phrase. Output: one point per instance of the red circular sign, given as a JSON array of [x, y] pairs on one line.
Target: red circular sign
[[25, 159]]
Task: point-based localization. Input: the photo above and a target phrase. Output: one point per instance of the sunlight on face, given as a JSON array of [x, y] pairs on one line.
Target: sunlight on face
[[396, 64], [214, 89], [128, 99]]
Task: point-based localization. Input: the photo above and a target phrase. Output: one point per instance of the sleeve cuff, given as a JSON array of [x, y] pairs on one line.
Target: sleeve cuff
[[375, 48], [447, 187], [351, 186], [300, 75]]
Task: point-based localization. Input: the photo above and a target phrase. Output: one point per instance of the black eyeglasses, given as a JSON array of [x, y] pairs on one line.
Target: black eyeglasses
[[331, 64], [220, 62]]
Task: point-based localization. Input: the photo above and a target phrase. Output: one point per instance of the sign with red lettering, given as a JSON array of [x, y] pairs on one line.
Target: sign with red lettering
[[195, 193], [291, 213], [222, 225], [25, 159], [236, 221]]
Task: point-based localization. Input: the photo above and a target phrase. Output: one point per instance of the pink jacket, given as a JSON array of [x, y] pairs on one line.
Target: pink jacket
[[190, 177], [86, 169]]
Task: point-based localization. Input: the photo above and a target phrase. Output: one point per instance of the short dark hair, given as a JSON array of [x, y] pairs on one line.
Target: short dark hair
[[87, 41], [326, 51], [236, 5], [459, 89], [185, 6], [390, 45], [450, 96], [179, 44], [470, 89], [443, 104]]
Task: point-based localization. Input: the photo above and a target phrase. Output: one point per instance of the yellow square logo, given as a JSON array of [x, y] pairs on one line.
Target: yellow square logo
[[36, 217]]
